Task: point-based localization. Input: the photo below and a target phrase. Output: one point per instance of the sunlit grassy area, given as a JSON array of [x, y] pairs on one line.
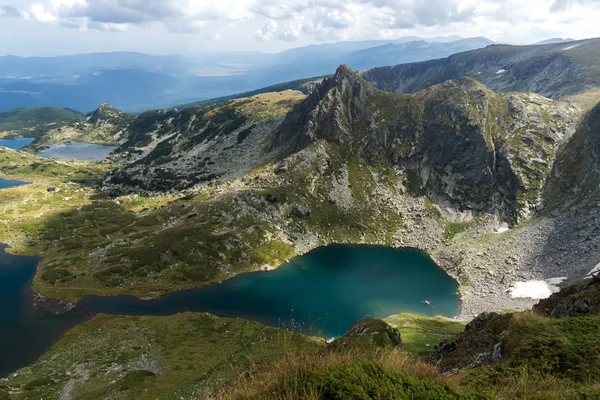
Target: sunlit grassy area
[[269, 105], [420, 334], [53, 186], [586, 100]]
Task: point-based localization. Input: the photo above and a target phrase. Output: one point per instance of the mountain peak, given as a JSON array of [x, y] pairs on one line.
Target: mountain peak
[[108, 114], [342, 72], [327, 112]]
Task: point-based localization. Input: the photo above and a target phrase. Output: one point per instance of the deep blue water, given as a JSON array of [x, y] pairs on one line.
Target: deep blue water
[[323, 292], [4, 183], [15, 143], [79, 151]]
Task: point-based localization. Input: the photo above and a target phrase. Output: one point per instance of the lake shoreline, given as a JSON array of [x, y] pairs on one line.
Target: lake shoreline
[[475, 299], [274, 298]]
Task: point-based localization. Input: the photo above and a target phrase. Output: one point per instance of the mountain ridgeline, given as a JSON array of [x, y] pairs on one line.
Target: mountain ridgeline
[[263, 178], [466, 147], [552, 70]]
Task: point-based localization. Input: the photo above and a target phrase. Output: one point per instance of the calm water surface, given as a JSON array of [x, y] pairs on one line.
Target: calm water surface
[[323, 292], [4, 184], [15, 143], [79, 151]]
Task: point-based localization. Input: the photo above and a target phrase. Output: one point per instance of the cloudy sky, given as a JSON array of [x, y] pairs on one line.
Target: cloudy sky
[[47, 27]]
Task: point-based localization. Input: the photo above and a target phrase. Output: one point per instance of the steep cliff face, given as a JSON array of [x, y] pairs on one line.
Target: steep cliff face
[[547, 69], [575, 178], [463, 145], [328, 112]]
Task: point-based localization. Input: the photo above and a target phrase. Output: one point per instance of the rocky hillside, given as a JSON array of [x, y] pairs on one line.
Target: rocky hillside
[[175, 150], [466, 147], [105, 125], [552, 70], [575, 178], [557, 337]]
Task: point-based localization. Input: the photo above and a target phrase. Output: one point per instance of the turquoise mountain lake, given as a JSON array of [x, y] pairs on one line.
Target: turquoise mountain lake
[[15, 144], [4, 184], [322, 293], [79, 151]]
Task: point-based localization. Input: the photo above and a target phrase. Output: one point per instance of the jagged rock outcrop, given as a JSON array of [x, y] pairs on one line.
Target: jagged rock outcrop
[[327, 113], [578, 300], [492, 338], [479, 346], [463, 145], [548, 69]]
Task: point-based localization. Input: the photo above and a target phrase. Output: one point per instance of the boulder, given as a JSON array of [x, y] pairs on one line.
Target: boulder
[[301, 212]]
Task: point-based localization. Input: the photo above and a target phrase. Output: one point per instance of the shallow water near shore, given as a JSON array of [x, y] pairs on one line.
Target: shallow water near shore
[[321, 293]]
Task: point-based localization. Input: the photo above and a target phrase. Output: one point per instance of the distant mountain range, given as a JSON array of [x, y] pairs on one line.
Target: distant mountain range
[[553, 70], [136, 82]]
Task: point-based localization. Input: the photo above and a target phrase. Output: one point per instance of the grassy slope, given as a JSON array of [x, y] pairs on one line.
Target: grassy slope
[[543, 359], [420, 334], [34, 122], [293, 85], [152, 357], [208, 236], [24, 209], [150, 246], [196, 355]]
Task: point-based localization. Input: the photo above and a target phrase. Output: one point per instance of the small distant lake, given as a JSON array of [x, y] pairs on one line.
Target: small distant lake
[[16, 144], [79, 151], [5, 184], [321, 293]]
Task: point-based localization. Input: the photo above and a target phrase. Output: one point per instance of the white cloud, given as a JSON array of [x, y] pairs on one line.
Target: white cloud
[[322, 20]]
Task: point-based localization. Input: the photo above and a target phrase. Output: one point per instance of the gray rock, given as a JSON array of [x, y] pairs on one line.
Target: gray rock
[[301, 212]]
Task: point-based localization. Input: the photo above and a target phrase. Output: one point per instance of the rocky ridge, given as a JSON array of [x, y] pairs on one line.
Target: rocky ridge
[[175, 150], [105, 125], [463, 145]]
